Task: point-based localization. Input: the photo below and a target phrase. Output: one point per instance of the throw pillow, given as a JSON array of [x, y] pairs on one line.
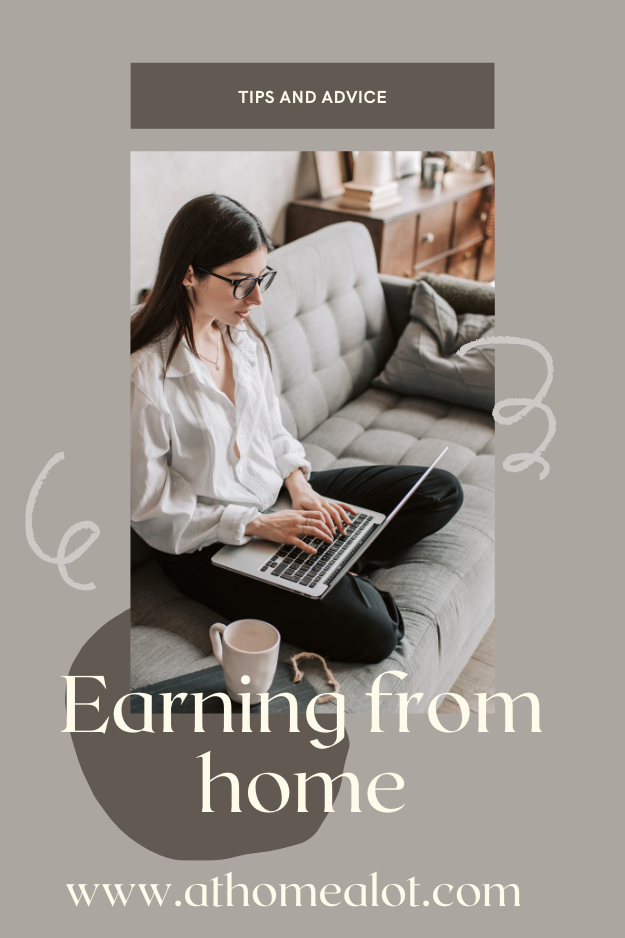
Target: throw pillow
[[425, 363], [464, 296]]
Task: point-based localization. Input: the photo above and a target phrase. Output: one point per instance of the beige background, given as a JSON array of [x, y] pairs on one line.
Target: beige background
[[537, 810]]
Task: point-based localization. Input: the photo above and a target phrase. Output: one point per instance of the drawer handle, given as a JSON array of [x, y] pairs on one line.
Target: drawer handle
[[429, 237], [484, 216], [467, 254]]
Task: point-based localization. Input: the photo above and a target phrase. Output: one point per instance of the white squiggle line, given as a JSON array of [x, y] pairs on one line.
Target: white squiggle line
[[517, 462], [61, 560]]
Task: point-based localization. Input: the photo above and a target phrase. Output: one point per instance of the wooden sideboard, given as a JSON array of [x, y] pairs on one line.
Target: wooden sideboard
[[452, 231]]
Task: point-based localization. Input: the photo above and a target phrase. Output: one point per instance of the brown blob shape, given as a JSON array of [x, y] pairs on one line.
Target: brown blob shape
[[150, 784]]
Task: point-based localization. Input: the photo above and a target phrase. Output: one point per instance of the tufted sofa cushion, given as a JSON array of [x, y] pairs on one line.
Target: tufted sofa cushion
[[383, 427], [325, 322]]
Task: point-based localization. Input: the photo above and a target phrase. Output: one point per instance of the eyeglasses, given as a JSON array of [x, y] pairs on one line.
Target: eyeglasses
[[243, 288]]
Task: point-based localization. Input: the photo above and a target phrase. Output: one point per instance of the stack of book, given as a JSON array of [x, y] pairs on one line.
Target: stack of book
[[370, 198]]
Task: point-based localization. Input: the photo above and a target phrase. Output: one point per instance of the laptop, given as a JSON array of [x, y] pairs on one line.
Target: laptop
[[313, 575]]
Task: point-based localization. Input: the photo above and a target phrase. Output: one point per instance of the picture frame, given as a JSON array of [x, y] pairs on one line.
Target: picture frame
[[333, 169]]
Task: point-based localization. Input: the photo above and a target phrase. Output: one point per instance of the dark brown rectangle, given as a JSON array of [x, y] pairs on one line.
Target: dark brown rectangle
[[464, 263], [470, 218], [398, 247], [437, 95], [436, 267], [434, 232]]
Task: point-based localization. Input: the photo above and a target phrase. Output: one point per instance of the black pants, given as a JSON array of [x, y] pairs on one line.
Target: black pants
[[356, 621]]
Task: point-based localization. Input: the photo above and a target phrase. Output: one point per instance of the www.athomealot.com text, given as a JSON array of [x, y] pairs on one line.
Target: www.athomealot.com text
[[224, 892]]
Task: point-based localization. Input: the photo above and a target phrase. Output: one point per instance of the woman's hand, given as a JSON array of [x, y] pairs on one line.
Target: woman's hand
[[304, 497], [289, 527], [335, 514]]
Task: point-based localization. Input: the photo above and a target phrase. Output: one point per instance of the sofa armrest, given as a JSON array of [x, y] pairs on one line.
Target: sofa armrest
[[398, 296]]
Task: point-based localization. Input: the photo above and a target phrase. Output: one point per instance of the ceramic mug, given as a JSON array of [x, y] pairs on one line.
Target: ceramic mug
[[247, 650]]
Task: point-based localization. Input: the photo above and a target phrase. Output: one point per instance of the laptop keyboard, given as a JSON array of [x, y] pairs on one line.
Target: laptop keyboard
[[296, 566]]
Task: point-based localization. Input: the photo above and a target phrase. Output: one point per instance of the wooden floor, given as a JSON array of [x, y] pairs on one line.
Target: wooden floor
[[477, 677]]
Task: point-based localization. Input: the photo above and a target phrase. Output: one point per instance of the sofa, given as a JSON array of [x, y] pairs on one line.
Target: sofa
[[331, 323]]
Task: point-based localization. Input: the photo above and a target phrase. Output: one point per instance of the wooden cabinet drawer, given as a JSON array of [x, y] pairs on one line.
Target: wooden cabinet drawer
[[464, 263], [398, 247], [436, 267], [434, 232], [471, 218]]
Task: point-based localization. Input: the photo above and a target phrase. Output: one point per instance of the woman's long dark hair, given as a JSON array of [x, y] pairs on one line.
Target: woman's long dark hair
[[207, 232]]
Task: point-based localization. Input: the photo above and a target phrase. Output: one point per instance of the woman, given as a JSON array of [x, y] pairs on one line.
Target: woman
[[210, 453]]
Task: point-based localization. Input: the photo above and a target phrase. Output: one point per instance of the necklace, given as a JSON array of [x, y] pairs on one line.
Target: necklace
[[210, 361]]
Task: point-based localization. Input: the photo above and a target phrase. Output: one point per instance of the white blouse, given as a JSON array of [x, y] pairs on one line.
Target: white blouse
[[188, 488]]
